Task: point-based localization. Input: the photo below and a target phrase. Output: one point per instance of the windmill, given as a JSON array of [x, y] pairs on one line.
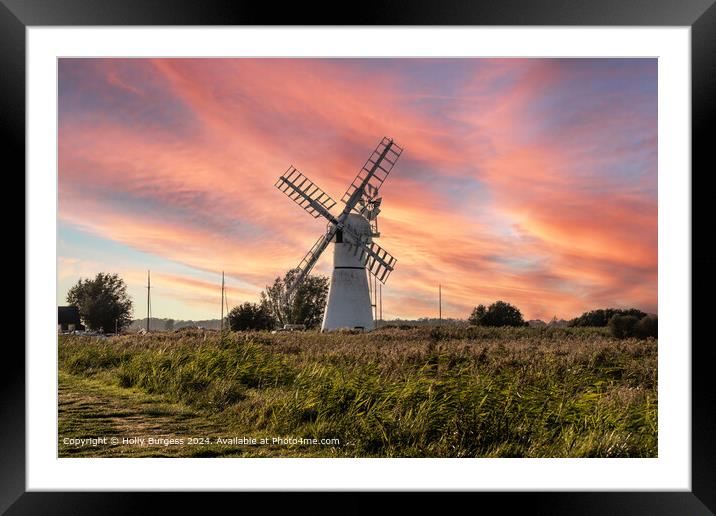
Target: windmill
[[352, 233]]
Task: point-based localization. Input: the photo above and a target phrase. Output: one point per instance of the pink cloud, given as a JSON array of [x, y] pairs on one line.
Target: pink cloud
[[544, 228]]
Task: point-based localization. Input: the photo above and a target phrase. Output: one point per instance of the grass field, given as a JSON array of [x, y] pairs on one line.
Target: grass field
[[413, 392]]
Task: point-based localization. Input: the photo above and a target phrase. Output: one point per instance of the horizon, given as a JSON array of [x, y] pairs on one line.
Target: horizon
[[533, 181], [418, 319]]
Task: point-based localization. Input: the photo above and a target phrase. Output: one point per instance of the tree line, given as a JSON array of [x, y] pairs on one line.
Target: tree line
[[622, 323], [104, 305]]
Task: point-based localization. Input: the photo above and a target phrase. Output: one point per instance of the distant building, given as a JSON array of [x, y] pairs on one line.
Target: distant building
[[68, 318]]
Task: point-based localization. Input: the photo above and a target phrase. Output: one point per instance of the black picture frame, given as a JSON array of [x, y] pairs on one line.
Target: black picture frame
[[17, 15]]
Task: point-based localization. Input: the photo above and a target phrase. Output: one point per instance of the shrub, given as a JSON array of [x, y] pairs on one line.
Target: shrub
[[250, 316], [602, 317], [647, 327], [622, 326], [498, 313]]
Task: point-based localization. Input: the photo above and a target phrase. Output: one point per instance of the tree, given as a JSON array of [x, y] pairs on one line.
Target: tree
[[169, 325], [477, 315], [498, 313], [602, 317], [305, 305], [103, 302], [250, 316]]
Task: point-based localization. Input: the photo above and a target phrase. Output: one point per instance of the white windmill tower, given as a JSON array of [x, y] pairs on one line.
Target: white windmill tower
[[352, 233]]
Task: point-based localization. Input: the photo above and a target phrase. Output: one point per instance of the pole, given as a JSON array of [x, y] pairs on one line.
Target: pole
[[222, 301], [380, 297], [440, 303], [375, 300], [226, 304], [149, 299]]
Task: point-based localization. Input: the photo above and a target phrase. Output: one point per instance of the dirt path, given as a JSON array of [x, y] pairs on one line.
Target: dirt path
[[90, 409], [100, 419]]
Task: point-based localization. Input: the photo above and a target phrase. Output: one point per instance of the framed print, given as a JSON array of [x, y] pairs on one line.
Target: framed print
[[502, 206]]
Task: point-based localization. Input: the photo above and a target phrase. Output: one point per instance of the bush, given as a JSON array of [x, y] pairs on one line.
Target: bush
[[647, 327], [602, 317], [627, 326], [498, 313], [622, 326], [250, 316]]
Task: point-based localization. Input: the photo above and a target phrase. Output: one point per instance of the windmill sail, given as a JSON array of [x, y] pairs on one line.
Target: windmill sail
[[352, 232], [367, 183], [305, 193], [312, 256], [379, 262]]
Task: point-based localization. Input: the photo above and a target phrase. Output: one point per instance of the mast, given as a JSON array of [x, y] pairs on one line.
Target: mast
[[440, 304], [375, 300], [380, 297], [149, 299]]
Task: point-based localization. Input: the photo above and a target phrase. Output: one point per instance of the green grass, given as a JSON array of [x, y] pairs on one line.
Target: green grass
[[413, 392]]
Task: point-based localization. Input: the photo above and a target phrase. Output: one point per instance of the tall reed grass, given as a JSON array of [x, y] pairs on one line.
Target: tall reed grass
[[439, 392]]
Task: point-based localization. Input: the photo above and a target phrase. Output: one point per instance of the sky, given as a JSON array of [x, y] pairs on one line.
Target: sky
[[532, 181]]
